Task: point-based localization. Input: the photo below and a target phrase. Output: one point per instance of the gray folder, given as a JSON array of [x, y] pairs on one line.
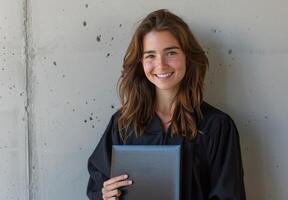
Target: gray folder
[[154, 170]]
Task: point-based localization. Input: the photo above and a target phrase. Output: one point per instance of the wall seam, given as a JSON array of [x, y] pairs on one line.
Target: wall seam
[[27, 106]]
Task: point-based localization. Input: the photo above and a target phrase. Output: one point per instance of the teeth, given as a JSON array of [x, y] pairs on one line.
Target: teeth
[[163, 75]]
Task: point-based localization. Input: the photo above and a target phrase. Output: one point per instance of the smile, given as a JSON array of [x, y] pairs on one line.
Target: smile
[[164, 75]]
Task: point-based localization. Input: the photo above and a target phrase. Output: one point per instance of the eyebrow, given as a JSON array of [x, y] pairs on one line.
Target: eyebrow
[[166, 49]]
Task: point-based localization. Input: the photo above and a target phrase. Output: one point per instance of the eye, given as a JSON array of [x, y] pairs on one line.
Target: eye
[[149, 56], [171, 53]]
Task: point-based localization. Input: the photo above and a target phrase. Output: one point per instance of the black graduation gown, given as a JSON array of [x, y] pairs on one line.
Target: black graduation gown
[[211, 163]]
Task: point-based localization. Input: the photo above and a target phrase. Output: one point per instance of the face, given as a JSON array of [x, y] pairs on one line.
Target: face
[[163, 60]]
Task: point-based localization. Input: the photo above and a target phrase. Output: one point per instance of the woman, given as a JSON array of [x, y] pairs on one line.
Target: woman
[[161, 92]]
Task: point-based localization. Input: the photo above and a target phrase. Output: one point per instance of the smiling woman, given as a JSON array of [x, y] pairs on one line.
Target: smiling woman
[[164, 61], [161, 92]]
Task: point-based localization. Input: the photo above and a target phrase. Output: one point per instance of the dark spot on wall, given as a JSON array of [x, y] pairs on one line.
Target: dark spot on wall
[[108, 54], [213, 30], [73, 110], [54, 63], [45, 143], [11, 87], [80, 148], [112, 38], [86, 5], [33, 167], [266, 117], [91, 114], [93, 126], [120, 25], [98, 38], [91, 118], [98, 120], [112, 106], [84, 23], [230, 51], [94, 99], [85, 121], [63, 76], [3, 69], [86, 102], [277, 166]]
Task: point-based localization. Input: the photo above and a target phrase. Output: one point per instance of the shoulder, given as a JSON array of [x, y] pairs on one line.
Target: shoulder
[[110, 135], [116, 115], [215, 121], [114, 118], [211, 112]]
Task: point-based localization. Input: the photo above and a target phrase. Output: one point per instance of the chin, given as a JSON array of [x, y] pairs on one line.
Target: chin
[[164, 87]]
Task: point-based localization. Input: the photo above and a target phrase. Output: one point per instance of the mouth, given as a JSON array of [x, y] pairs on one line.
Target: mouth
[[164, 75]]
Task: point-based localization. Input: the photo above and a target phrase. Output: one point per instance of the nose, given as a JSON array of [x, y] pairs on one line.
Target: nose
[[161, 61]]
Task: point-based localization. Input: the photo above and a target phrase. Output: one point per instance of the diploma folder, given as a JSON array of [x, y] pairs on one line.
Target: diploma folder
[[154, 170]]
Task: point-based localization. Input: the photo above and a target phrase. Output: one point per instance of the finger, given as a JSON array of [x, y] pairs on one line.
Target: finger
[[118, 185], [115, 179], [113, 193]]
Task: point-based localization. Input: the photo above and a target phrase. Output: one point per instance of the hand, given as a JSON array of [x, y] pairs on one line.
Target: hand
[[111, 187]]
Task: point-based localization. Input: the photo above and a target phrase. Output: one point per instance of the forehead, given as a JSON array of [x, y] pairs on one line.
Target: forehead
[[158, 40]]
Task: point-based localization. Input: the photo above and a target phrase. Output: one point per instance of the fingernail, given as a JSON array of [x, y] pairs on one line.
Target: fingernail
[[125, 176], [130, 182]]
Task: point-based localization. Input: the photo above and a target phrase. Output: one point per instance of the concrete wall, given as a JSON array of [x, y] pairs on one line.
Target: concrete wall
[[60, 61], [13, 101]]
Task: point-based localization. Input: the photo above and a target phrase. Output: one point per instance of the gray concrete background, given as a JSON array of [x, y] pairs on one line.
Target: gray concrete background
[[60, 61]]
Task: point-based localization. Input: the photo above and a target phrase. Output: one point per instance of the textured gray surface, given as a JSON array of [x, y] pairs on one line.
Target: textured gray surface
[[13, 126], [71, 52]]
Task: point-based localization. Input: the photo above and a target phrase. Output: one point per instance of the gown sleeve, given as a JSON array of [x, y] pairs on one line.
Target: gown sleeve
[[226, 170], [99, 164]]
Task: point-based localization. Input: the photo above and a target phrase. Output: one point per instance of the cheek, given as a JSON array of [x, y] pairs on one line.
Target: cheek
[[148, 67], [177, 64]]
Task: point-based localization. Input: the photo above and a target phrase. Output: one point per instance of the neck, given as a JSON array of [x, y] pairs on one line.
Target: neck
[[164, 102]]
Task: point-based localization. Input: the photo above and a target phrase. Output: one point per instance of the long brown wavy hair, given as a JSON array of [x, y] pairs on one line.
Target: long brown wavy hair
[[137, 93]]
